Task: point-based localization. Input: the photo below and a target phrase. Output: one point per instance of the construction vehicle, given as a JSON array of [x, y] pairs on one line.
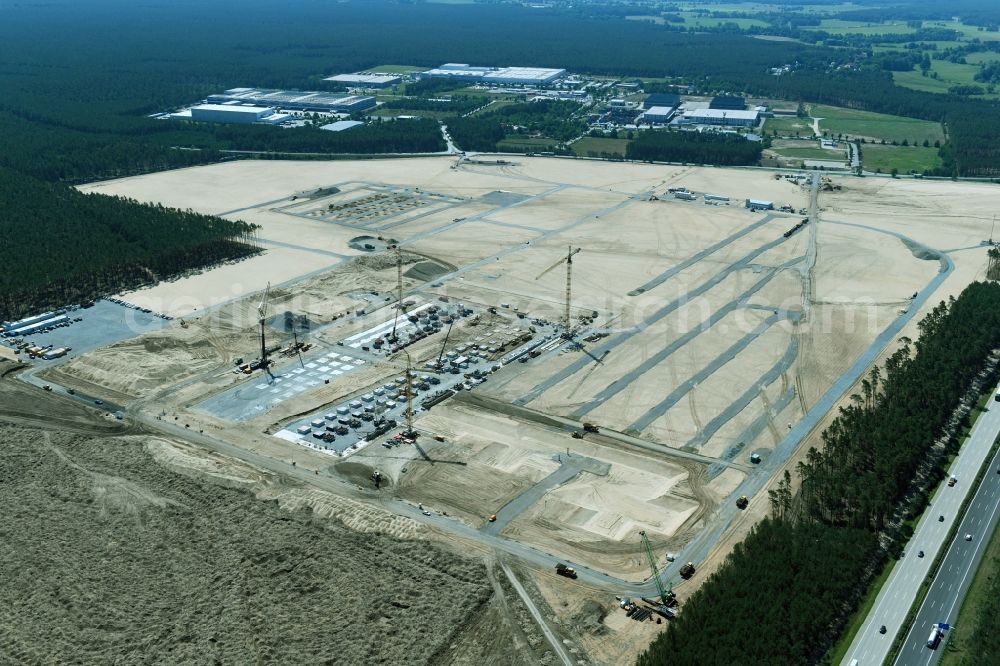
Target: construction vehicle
[[577, 434], [590, 427], [667, 596], [563, 570], [742, 502], [687, 570], [493, 518]]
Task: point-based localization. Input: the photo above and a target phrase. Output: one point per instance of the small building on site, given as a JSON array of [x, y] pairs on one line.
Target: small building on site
[[341, 125], [759, 204]]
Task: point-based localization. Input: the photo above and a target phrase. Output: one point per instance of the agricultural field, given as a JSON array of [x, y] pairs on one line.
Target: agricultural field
[[982, 57], [948, 74], [693, 20], [875, 126], [904, 159], [789, 126], [967, 31], [840, 27]]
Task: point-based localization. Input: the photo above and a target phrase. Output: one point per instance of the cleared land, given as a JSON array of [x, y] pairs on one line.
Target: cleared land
[[704, 334]]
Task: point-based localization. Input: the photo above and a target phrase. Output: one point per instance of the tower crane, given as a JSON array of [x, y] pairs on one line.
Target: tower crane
[[262, 317], [666, 593], [409, 395], [568, 259], [444, 344], [399, 290]]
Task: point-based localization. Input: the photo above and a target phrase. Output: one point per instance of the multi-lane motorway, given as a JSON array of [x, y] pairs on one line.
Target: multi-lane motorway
[[897, 595], [944, 599]]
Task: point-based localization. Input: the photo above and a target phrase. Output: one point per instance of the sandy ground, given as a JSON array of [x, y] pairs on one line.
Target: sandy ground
[[495, 230]]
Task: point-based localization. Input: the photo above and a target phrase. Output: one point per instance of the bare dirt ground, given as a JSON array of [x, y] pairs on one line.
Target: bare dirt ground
[[714, 332]]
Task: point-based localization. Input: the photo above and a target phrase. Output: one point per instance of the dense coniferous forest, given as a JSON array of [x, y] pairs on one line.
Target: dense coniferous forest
[[61, 246], [783, 595], [695, 147], [78, 80]]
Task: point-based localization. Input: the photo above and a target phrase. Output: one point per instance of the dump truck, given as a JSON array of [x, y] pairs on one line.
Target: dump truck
[[590, 427], [687, 570], [563, 570], [742, 502]]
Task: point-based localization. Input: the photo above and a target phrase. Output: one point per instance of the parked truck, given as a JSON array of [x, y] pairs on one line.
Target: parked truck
[[687, 570]]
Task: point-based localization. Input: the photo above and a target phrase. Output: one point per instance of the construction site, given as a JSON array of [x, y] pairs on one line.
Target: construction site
[[558, 367]]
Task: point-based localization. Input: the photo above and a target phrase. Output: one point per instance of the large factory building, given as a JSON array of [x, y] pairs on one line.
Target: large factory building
[[297, 100], [521, 76], [722, 117], [235, 114], [366, 80]]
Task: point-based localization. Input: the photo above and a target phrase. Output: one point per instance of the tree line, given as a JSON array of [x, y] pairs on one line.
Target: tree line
[[784, 594], [62, 246], [558, 120], [722, 149]]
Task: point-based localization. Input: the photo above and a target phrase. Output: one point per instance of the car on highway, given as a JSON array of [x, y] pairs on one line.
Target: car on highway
[[920, 553], [968, 537], [882, 629], [952, 480], [940, 519]]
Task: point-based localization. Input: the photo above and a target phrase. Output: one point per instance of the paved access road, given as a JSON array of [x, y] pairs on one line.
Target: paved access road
[[944, 599], [898, 593]]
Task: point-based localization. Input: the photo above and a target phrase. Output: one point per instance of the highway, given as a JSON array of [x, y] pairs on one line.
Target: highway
[[944, 599], [899, 591]]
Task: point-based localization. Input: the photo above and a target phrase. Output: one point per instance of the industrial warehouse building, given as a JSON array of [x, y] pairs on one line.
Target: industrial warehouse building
[[728, 103], [236, 114], [657, 115], [522, 76], [342, 125], [35, 324], [661, 99], [722, 117], [366, 80], [297, 100]]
